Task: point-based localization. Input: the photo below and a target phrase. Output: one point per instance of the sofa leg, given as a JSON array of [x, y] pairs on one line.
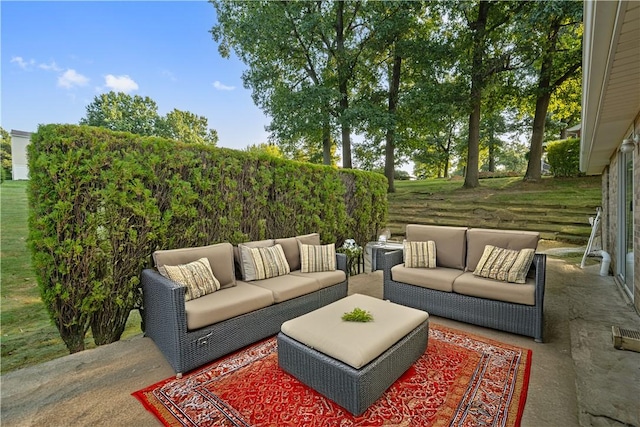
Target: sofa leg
[[179, 375], [538, 340]]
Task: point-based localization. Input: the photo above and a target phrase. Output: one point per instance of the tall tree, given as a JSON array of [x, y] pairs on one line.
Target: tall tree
[[556, 28], [121, 112], [135, 114], [491, 53], [303, 74], [288, 71], [186, 127], [5, 154]]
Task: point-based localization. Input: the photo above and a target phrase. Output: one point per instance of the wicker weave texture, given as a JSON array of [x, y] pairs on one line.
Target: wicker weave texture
[[353, 389], [165, 321], [510, 317]]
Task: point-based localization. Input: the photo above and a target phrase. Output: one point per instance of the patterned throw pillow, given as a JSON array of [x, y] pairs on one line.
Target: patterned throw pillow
[[316, 258], [506, 265], [196, 276], [420, 254], [264, 263]]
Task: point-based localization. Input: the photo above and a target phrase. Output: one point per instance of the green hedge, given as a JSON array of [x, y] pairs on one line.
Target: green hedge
[[101, 202], [564, 157]]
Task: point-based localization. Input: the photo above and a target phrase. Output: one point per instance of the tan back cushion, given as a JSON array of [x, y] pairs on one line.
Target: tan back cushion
[[450, 243], [220, 258], [292, 250], [478, 238]]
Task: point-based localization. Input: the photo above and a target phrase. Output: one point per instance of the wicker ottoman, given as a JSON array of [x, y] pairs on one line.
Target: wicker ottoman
[[353, 363]]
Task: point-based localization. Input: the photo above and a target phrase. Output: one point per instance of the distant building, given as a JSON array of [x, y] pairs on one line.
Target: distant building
[[19, 165]]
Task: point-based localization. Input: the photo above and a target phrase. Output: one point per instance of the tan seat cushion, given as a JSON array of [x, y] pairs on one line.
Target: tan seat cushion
[[324, 278], [468, 284], [478, 238], [354, 343], [225, 304], [220, 258], [440, 278], [288, 286], [450, 243]]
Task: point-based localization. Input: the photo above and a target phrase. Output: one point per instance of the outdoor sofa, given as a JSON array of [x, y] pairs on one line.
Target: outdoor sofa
[[450, 288], [194, 332]]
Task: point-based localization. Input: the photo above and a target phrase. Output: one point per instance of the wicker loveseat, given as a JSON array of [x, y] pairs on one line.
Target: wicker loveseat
[[452, 290], [195, 332]]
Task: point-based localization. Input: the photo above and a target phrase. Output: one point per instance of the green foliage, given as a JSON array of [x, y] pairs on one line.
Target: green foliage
[[358, 315], [102, 202], [564, 157], [5, 155], [135, 114]]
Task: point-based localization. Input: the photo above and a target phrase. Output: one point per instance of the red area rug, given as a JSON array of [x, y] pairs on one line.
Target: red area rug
[[461, 379]]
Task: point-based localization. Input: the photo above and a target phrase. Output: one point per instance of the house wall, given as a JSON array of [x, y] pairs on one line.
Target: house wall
[[19, 166], [610, 216]]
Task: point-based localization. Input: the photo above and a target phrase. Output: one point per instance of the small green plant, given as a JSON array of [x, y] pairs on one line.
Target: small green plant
[[357, 315]]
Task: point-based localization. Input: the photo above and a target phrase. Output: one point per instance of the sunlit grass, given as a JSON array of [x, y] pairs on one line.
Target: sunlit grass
[[27, 335]]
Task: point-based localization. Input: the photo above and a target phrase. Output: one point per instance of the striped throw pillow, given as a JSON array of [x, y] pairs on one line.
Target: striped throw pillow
[[196, 276], [316, 258], [506, 265], [265, 262], [420, 254]]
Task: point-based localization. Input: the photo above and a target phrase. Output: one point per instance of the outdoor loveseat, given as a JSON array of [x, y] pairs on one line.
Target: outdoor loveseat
[[237, 312], [456, 289]]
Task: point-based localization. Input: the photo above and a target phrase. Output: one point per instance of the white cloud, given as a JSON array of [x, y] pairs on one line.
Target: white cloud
[[221, 86], [168, 74], [21, 62], [71, 78], [50, 67], [120, 83]]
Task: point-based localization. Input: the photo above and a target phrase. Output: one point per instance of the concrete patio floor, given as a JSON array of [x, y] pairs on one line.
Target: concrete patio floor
[[577, 376]]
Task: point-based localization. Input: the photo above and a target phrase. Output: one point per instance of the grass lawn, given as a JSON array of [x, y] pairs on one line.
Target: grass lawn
[[558, 208], [27, 335]]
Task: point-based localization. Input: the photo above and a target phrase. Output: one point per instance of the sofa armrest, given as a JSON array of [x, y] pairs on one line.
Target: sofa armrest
[[341, 263], [390, 259], [539, 268], [164, 313]]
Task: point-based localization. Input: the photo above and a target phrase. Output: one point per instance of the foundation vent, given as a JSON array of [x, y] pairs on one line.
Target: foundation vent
[[625, 339]]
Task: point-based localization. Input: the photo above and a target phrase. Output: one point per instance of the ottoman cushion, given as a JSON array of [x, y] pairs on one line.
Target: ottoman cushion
[[354, 343]]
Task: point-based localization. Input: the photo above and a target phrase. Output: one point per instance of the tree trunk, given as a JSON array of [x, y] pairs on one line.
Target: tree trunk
[[534, 172], [326, 142], [343, 87], [534, 167], [107, 325], [477, 82], [389, 151], [73, 338]]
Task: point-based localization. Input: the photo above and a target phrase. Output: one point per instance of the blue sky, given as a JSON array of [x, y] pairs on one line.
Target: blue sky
[[57, 56]]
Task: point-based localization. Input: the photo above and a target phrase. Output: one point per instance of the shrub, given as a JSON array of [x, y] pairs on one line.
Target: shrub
[[101, 202], [564, 157]]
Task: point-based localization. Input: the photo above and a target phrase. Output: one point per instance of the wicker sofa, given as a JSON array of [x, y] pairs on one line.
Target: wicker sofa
[[451, 290], [195, 332]]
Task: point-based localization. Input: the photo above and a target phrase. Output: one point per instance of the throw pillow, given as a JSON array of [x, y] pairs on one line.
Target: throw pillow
[[264, 263], [196, 276], [420, 254], [316, 258], [506, 265]]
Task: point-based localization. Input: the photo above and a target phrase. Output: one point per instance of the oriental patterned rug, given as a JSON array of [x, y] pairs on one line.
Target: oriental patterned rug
[[461, 379]]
